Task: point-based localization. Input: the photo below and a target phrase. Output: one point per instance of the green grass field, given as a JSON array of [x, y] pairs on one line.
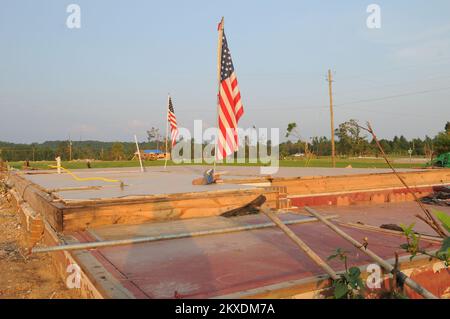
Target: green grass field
[[318, 162]]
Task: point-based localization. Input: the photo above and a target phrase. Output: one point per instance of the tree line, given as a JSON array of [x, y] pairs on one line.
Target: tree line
[[350, 141]]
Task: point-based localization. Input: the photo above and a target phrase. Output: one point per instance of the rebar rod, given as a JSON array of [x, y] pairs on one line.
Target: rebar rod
[[138, 240]]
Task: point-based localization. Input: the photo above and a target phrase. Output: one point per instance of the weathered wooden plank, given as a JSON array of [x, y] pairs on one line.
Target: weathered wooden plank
[[77, 218], [39, 200]]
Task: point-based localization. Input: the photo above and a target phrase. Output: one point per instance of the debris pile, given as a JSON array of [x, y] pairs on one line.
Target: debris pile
[[441, 197]]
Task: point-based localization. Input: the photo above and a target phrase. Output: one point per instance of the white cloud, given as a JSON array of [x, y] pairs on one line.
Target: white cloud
[[83, 128], [136, 124], [426, 51]]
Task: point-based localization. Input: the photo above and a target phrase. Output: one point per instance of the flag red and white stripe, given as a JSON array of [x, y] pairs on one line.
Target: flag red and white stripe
[[230, 106], [173, 122]]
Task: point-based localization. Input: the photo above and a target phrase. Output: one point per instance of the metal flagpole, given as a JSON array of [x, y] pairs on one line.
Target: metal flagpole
[[219, 63], [167, 129]]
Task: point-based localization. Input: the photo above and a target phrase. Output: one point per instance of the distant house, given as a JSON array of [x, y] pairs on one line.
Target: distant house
[[299, 154], [151, 154]]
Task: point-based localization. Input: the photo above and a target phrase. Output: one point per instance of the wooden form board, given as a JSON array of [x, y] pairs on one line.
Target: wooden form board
[[40, 201], [348, 183], [80, 215]]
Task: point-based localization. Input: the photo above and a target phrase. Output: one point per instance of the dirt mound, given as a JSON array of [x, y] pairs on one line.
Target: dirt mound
[[24, 276]]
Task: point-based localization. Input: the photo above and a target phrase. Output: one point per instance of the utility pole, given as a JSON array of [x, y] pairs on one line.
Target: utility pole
[[330, 92], [70, 149]]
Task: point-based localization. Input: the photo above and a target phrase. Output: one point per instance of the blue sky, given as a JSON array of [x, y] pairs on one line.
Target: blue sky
[[110, 79]]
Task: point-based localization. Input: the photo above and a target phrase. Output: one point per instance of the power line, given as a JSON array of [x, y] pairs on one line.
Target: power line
[[394, 69], [394, 96], [363, 89], [363, 100]]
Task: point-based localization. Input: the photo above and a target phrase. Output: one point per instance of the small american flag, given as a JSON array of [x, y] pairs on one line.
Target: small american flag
[[173, 123], [230, 106]]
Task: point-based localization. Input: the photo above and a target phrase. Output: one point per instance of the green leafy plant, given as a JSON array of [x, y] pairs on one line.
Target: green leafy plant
[[444, 219], [349, 285], [412, 240], [444, 252], [412, 244]]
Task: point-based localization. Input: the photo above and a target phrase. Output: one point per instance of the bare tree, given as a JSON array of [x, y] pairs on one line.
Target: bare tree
[[153, 135]]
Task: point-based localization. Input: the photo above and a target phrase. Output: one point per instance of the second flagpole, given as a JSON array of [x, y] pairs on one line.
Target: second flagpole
[[167, 130], [219, 63]]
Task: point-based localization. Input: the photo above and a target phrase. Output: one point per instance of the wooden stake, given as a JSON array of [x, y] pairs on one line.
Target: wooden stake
[[330, 93], [432, 222], [139, 153], [388, 267], [58, 164]]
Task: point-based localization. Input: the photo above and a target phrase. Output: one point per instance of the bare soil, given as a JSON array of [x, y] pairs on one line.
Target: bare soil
[[24, 276]]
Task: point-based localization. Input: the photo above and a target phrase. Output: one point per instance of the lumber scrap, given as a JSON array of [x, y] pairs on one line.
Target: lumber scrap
[[250, 208], [301, 244]]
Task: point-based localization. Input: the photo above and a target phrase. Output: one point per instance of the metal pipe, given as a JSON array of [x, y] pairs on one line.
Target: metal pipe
[[408, 281], [138, 240]]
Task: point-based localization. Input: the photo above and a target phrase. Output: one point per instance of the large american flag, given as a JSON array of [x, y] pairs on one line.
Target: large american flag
[[230, 106], [173, 122]]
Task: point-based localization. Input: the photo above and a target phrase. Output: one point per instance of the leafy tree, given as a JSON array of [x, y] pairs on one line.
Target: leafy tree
[[351, 140], [117, 151], [292, 131], [442, 143], [321, 145], [298, 146], [63, 150]]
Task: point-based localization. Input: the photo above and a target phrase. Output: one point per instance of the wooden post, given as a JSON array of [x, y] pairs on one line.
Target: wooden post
[[388, 267], [300, 243], [219, 63], [139, 153], [58, 164], [330, 92], [167, 130]]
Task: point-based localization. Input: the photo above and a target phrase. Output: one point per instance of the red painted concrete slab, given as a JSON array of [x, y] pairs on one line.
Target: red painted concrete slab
[[387, 213], [216, 265]]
